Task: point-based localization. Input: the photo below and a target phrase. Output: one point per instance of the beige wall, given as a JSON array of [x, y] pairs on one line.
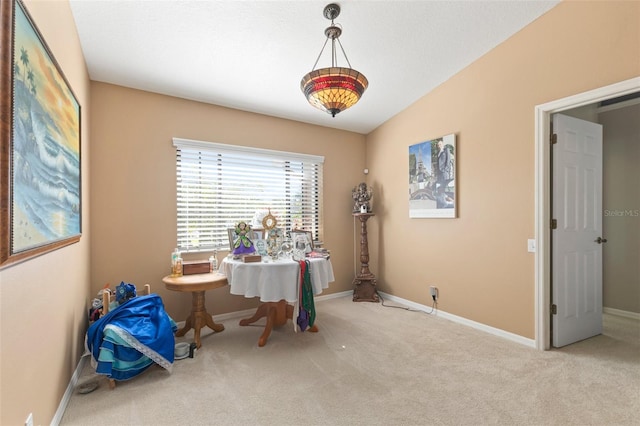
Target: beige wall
[[133, 182], [480, 261], [621, 203], [43, 300]]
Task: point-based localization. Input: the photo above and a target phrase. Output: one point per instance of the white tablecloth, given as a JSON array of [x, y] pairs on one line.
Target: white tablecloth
[[274, 280]]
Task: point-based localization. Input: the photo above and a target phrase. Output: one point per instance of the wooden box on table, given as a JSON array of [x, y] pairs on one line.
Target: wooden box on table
[[196, 267]]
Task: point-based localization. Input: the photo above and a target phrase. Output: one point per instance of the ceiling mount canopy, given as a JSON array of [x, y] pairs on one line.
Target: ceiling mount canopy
[[333, 89]]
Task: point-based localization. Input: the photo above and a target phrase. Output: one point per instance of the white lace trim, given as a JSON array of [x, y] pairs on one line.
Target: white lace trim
[[153, 355]]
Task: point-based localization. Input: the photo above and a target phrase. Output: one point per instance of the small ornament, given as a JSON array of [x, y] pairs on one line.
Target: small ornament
[[362, 198], [125, 292], [243, 244], [269, 221]]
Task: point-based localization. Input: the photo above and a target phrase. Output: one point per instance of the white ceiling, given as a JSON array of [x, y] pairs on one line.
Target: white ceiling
[[251, 55]]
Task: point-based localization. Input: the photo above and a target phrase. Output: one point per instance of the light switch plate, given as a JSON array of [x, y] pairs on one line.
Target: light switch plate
[[531, 246]]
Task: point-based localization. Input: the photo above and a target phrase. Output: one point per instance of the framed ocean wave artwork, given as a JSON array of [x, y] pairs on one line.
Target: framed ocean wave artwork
[[40, 183]]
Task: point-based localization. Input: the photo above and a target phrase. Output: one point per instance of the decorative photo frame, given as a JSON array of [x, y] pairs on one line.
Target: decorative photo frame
[[269, 222], [40, 179], [232, 237], [301, 240], [275, 238], [432, 178], [261, 247]]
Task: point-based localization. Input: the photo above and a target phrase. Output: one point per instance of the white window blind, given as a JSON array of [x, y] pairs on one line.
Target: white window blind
[[219, 185]]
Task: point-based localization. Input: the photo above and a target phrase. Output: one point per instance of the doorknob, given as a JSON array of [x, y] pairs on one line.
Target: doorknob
[[600, 240]]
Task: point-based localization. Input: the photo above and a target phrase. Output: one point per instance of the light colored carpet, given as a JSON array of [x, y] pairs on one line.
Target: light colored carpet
[[374, 365]]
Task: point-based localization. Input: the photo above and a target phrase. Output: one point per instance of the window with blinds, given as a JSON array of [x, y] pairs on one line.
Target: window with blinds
[[219, 185]]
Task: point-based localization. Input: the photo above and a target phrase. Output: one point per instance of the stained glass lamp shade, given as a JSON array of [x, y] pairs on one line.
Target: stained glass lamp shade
[[333, 89]]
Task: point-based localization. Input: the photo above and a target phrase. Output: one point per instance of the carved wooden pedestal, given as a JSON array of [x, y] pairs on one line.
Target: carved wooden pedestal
[[365, 281]]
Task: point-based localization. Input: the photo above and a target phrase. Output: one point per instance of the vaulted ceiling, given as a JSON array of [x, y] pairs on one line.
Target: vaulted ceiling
[[251, 55]]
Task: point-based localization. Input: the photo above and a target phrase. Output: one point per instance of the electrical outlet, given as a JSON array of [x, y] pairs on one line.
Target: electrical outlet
[[29, 421], [434, 292]]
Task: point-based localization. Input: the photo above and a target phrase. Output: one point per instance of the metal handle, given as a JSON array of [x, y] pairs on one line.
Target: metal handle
[[600, 240]]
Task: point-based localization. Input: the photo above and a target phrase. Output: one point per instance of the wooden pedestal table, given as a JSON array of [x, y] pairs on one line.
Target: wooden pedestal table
[[276, 283], [277, 314], [197, 284]]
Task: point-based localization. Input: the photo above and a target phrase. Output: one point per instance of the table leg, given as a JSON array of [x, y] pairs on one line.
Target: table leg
[[187, 326], [277, 314], [199, 318]]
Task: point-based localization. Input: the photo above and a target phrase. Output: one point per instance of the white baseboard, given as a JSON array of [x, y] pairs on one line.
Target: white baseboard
[[460, 320], [334, 295], [249, 312], [229, 315], [57, 418], [621, 313]]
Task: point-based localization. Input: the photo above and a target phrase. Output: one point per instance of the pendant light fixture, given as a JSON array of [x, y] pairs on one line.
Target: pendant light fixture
[[333, 89]]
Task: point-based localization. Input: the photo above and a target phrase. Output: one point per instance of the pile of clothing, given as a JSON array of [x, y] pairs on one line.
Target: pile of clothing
[[131, 337]]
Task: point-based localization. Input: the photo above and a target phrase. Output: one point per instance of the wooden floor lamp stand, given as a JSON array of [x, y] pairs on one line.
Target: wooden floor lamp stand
[[365, 282]]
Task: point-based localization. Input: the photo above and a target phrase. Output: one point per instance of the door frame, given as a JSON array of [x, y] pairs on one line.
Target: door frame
[[542, 256]]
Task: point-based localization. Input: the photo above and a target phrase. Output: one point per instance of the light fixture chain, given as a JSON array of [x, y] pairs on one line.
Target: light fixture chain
[[321, 50], [345, 55]]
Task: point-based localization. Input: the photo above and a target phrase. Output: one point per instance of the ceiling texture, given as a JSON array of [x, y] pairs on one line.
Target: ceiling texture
[[251, 55]]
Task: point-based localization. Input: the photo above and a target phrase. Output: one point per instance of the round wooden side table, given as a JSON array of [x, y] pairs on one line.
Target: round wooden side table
[[197, 284]]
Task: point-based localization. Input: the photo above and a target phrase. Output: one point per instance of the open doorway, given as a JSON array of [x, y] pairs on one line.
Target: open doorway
[[543, 115], [595, 245], [576, 231]]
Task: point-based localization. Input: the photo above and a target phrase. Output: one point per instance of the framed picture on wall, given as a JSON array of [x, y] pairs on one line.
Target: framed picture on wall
[[40, 193], [432, 178]]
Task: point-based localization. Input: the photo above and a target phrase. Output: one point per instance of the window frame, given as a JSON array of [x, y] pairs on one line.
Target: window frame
[[302, 171]]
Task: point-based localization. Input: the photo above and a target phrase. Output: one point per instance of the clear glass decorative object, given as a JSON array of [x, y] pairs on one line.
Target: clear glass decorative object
[[286, 249]]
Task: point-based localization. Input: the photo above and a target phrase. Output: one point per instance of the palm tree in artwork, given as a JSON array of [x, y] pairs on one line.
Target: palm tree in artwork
[[30, 78], [24, 57]]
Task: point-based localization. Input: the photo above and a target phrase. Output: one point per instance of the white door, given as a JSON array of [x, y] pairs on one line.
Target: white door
[[576, 242]]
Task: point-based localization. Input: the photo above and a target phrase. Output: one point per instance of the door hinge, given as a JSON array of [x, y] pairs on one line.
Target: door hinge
[[554, 309], [554, 223], [554, 138]]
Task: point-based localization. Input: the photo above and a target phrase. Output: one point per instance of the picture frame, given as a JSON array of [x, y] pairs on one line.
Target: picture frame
[[40, 158], [261, 247], [432, 178], [274, 238], [301, 240], [232, 237]]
